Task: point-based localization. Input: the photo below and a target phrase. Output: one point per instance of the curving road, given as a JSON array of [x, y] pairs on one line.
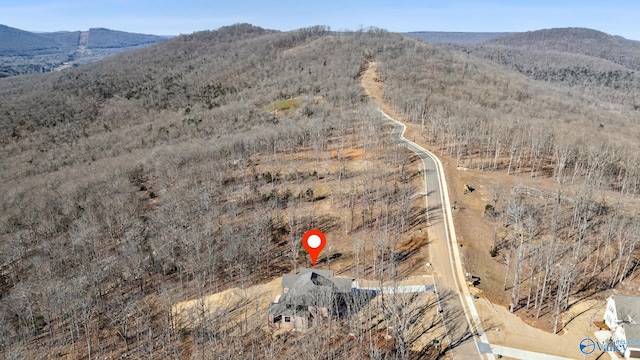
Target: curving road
[[458, 311], [466, 337]]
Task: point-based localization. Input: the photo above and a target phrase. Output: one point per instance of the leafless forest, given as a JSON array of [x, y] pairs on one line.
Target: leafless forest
[[134, 183], [578, 235], [168, 173]]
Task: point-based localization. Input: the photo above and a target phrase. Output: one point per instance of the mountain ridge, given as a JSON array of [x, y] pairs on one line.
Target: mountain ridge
[[456, 37], [133, 183], [24, 52], [12, 40], [20, 42], [577, 41], [583, 59]]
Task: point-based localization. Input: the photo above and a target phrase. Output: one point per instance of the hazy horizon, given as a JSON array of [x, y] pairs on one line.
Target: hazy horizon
[[169, 18]]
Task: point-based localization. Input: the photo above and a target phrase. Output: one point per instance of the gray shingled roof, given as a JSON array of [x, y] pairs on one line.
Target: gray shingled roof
[[325, 273], [627, 308], [632, 333], [310, 287], [289, 279], [318, 278], [343, 285]]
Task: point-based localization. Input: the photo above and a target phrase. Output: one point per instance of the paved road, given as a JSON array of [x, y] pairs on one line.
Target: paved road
[[454, 314], [459, 311], [458, 308]]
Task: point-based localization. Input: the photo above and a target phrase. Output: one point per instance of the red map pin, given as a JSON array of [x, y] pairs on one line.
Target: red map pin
[[314, 241]]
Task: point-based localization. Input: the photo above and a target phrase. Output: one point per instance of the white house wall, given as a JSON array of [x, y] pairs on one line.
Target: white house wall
[[610, 315]]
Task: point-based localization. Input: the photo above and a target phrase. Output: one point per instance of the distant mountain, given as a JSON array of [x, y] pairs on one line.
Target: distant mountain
[[26, 52], [101, 38], [18, 42], [137, 182], [575, 57], [456, 37], [65, 38], [577, 41]]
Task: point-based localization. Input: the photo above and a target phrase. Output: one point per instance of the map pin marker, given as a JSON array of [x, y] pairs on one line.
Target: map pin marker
[[314, 241]]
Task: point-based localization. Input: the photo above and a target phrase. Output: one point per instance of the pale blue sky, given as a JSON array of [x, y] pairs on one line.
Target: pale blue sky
[[616, 17]]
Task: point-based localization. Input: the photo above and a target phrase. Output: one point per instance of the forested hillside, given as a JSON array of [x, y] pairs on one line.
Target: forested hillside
[[455, 37], [24, 52], [578, 41], [148, 178], [69, 39], [559, 242], [100, 38], [587, 60], [16, 42], [164, 174]]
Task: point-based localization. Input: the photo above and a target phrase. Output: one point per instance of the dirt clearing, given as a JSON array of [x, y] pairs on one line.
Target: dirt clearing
[[476, 236]]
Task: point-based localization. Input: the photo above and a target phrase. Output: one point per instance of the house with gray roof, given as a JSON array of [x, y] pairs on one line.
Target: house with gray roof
[[307, 297], [622, 316]]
